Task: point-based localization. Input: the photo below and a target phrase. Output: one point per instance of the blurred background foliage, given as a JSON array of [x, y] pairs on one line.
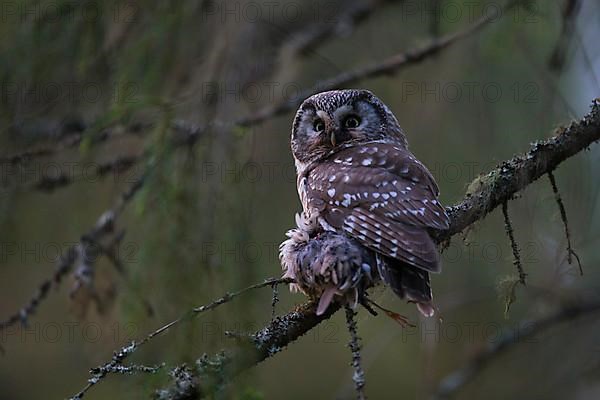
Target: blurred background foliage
[[210, 216]]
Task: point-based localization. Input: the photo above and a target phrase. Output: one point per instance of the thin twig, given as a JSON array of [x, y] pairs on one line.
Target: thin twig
[[62, 269], [103, 226], [72, 139], [230, 296], [563, 216], [115, 365], [101, 170], [513, 244], [119, 356], [358, 377], [569, 14], [188, 133], [347, 18], [453, 382], [133, 369], [386, 67], [275, 299], [435, 13]]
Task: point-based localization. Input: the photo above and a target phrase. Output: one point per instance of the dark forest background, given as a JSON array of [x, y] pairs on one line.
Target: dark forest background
[[100, 85]]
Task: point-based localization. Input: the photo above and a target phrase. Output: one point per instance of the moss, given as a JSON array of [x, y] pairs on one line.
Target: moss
[[507, 291]]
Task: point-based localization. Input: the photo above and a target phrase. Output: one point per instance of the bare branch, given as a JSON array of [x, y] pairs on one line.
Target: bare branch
[[352, 14], [563, 216], [71, 139], [185, 132], [115, 365], [118, 165], [359, 375], [513, 244], [386, 67], [62, 269], [104, 225], [274, 299], [458, 379]]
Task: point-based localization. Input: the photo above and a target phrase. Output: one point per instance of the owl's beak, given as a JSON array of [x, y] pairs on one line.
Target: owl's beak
[[332, 138]]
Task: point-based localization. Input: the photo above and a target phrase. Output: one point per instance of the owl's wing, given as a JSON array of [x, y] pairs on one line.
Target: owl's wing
[[381, 195]]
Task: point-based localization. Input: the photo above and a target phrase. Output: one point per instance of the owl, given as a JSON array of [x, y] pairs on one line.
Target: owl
[[359, 183]]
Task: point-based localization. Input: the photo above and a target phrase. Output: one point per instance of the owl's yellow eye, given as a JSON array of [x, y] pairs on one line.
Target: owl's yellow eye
[[352, 121], [319, 125]]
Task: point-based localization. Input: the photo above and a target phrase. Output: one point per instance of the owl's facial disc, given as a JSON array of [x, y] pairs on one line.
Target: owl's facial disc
[[348, 124], [336, 128], [329, 130], [329, 121]]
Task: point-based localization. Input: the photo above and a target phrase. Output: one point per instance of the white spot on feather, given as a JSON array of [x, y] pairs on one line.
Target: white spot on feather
[[347, 200]]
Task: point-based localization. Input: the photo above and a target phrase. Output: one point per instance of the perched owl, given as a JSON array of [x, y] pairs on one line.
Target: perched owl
[[357, 179]]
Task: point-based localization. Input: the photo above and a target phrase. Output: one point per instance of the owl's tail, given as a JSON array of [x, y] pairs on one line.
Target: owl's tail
[[408, 282]]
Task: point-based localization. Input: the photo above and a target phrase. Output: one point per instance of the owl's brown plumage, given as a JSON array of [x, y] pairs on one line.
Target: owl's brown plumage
[[356, 176], [324, 264]]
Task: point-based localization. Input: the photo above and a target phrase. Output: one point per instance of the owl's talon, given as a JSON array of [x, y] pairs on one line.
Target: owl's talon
[[399, 318]]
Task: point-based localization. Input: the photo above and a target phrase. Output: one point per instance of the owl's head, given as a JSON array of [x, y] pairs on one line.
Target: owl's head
[[333, 120]]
